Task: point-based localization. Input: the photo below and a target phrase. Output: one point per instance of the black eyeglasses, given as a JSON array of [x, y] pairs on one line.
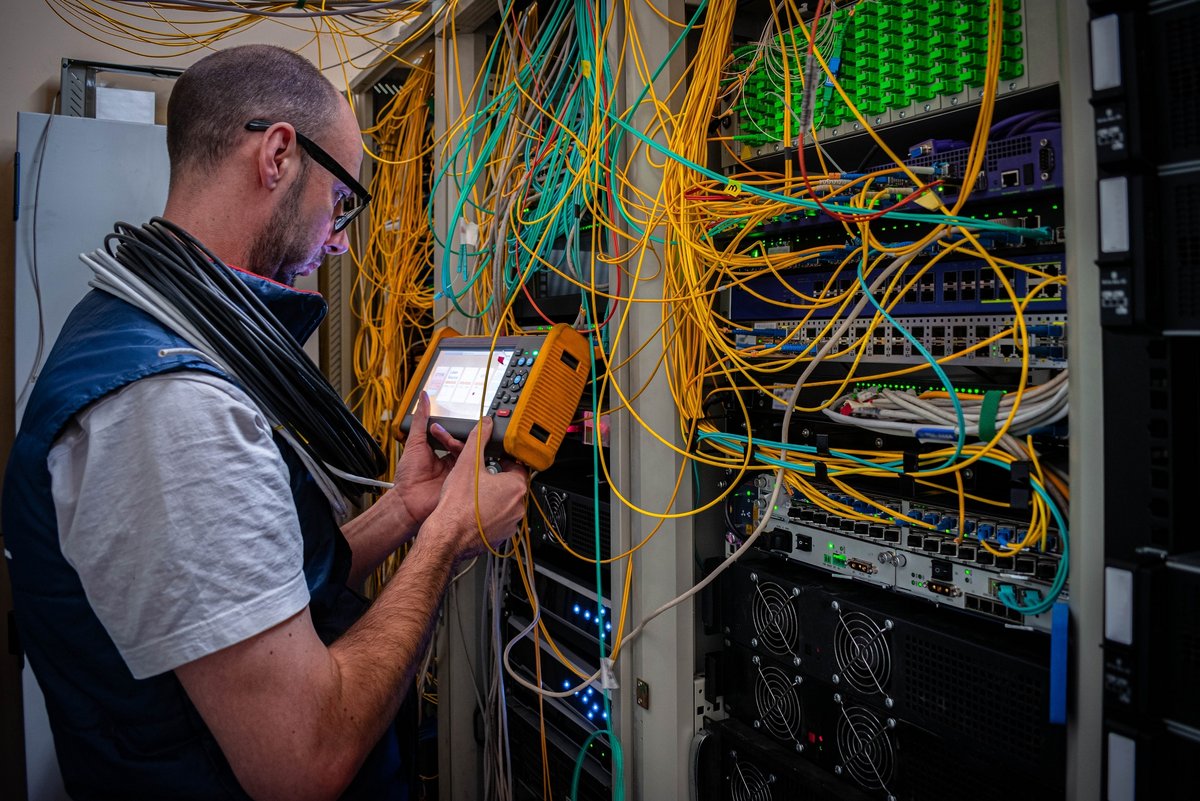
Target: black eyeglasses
[[351, 207]]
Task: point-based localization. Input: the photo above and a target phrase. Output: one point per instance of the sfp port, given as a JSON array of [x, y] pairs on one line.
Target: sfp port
[[932, 544], [949, 548], [1026, 565], [891, 535], [966, 552], [914, 540]]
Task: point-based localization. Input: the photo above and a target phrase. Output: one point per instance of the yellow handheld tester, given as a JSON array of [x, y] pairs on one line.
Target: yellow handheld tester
[[530, 385]]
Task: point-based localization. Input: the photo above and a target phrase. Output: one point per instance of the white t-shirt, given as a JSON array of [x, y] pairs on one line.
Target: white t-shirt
[[174, 507]]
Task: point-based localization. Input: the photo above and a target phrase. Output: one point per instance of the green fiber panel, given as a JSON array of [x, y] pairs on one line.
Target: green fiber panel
[[888, 55]]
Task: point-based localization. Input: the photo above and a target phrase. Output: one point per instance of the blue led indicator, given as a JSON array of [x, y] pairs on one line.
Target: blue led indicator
[[578, 609]]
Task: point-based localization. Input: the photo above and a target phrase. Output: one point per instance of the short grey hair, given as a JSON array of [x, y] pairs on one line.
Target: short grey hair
[[214, 99]]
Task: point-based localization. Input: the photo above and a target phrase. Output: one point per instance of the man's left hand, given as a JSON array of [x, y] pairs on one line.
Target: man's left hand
[[420, 473]]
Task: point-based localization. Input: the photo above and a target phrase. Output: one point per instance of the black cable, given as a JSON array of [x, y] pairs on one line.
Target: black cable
[[265, 359]]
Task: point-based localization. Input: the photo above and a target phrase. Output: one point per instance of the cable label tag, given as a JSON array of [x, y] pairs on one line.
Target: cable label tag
[[936, 435], [608, 678], [468, 233]]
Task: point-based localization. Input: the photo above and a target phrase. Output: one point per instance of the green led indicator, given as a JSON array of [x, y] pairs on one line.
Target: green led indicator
[[967, 572], [831, 546]]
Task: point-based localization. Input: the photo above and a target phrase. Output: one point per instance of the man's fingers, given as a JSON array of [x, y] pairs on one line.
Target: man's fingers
[[417, 434], [446, 439]]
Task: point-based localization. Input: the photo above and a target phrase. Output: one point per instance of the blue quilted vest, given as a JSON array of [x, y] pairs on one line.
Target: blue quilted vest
[[118, 737]]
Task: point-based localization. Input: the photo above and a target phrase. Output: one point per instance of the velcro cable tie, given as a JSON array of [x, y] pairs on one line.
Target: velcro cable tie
[[987, 414]]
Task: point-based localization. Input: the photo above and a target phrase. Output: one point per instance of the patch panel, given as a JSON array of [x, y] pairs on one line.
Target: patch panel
[[802, 229], [939, 335], [946, 288], [895, 61]]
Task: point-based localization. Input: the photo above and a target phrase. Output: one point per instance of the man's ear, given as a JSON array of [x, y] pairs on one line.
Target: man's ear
[[277, 154]]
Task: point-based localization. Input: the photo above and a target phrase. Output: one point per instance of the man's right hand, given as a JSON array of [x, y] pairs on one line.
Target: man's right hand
[[499, 497]]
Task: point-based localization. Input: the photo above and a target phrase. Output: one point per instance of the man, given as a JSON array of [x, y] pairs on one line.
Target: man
[[179, 581]]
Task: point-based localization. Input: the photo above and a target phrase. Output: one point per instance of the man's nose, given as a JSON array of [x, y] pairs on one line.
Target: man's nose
[[337, 243]]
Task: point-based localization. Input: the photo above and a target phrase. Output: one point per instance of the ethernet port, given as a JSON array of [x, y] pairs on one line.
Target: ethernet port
[[1010, 178]]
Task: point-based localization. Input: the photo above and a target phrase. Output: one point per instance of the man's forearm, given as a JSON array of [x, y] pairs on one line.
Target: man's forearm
[[299, 718], [374, 535], [378, 657]]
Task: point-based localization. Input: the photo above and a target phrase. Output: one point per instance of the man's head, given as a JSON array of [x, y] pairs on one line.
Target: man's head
[[255, 194]]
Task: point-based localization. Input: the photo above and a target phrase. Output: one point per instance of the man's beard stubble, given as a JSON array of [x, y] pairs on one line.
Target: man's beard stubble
[[281, 247]]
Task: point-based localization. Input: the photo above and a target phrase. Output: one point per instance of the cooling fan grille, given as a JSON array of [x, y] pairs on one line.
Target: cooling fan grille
[[775, 620], [554, 504], [866, 748], [779, 704], [861, 649], [748, 783]]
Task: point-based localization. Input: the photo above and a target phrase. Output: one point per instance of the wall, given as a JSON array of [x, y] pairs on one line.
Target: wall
[[29, 75]]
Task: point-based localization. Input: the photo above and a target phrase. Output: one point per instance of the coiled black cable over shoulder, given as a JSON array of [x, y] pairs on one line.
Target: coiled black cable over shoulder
[[250, 342]]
